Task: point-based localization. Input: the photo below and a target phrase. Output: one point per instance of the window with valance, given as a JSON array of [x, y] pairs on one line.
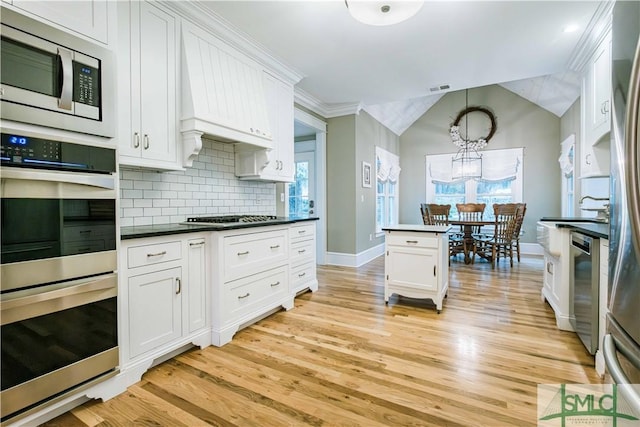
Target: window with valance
[[501, 180], [387, 176]]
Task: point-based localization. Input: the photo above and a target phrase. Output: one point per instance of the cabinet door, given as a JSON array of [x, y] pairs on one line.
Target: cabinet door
[[414, 267], [154, 72], [285, 131], [600, 117], [195, 285], [154, 309], [88, 18]]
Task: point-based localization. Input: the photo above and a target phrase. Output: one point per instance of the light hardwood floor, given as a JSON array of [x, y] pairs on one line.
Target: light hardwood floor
[[342, 357]]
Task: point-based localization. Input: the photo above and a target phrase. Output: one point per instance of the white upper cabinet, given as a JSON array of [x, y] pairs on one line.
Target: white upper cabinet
[[89, 18], [279, 102], [598, 80], [223, 93], [596, 112], [148, 86]]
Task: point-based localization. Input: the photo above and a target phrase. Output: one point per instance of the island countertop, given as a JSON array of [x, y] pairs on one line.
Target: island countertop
[[420, 228]]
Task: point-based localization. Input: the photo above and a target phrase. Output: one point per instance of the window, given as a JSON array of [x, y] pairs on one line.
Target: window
[[501, 181], [387, 174], [566, 160]]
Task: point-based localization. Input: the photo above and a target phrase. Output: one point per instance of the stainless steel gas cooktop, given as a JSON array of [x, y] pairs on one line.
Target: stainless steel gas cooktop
[[230, 220]]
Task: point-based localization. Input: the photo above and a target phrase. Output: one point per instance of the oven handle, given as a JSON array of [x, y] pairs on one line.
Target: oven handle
[[94, 180], [28, 303]]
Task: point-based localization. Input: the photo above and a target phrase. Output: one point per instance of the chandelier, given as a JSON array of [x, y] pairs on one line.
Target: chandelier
[[381, 13], [467, 163]]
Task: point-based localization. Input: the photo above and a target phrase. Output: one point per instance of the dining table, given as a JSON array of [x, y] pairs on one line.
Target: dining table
[[468, 227]]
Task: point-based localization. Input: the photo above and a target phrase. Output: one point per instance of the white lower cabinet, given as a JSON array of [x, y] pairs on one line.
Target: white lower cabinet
[[154, 310], [251, 277], [302, 239], [416, 265], [163, 297]]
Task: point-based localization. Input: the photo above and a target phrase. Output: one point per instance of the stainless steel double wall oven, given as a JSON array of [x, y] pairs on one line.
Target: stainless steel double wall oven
[[58, 275]]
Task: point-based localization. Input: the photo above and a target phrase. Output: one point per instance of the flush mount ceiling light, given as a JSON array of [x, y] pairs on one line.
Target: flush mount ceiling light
[[382, 12]]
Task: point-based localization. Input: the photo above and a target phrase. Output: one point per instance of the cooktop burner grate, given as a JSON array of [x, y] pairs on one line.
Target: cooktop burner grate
[[226, 219]]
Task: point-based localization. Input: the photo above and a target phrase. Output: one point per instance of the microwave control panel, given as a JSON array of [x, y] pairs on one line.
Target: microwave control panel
[[27, 151], [86, 84]]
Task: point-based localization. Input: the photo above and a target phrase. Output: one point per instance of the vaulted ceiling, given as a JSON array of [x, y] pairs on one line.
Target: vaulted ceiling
[[396, 73]]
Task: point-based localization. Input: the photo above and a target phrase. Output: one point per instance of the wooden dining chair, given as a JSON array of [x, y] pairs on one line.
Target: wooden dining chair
[[438, 214], [468, 212], [501, 243], [522, 209]]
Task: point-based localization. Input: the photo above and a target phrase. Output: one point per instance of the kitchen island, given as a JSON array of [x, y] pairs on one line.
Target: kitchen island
[[416, 262]]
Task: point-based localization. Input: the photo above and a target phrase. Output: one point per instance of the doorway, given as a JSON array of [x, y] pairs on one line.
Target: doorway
[[302, 192], [310, 152]]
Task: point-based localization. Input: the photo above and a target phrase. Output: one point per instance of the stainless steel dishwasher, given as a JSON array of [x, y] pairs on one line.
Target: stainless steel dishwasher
[[585, 251]]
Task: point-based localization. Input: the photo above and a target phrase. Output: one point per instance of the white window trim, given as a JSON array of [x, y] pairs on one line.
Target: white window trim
[[391, 173]]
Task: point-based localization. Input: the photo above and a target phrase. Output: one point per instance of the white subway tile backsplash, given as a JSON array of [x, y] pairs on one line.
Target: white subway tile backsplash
[[209, 188]]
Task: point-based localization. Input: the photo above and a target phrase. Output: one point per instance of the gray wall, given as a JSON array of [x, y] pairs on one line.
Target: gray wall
[[520, 123], [341, 184], [350, 206]]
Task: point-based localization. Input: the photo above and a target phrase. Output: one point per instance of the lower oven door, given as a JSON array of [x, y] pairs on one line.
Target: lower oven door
[[55, 338]]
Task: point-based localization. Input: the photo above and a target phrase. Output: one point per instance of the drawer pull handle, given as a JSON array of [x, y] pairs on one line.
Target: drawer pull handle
[[136, 140], [274, 247], [301, 251], [412, 241], [243, 253], [244, 296], [302, 274], [192, 244], [179, 282], [302, 231], [85, 231], [157, 254], [275, 284]]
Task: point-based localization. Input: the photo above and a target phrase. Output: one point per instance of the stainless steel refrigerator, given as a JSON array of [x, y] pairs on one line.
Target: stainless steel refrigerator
[[622, 342]]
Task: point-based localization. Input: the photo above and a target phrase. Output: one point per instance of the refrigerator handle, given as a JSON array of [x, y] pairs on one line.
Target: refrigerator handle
[[631, 151], [611, 360]]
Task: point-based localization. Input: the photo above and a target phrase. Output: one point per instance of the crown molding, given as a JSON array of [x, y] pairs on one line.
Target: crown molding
[[215, 24], [594, 34], [325, 110]]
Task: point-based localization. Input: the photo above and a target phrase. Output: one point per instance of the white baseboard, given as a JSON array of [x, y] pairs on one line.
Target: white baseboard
[[531, 249], [354, 260]]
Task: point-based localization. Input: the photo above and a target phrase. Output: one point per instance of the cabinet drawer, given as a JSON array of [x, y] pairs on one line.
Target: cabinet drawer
[[249, 253], [302, 251], [247, 295], [303, 273], [91, 232], [302, 232], [411, 240], [138, 256]]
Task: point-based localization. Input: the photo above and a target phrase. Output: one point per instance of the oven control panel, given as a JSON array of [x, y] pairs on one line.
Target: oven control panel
[[26, 151]]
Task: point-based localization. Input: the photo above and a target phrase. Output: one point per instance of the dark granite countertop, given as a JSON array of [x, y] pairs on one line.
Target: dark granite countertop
[[590, 226], [140, 231], [599, 231]]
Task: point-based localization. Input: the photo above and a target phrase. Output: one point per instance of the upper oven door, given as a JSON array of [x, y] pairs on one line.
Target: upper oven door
[[56, 226]]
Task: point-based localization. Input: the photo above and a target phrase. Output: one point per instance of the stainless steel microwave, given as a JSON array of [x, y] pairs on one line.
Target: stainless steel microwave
[[51, 78]]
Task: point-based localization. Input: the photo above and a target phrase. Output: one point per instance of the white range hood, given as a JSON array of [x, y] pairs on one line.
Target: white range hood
[[222, 95]]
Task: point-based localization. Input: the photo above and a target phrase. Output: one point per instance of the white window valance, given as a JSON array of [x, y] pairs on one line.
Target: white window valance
[[497, 165], [567, 153], [387, 165]]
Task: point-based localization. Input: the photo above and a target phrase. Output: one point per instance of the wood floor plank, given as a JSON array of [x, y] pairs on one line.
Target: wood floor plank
[[344, 357]]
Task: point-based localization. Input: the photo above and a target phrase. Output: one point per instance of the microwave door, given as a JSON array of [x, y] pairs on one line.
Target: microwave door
[[36, 72]]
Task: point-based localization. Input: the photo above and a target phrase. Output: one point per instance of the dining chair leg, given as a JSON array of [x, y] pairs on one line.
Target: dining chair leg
[[493, 257], [518, 249]]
